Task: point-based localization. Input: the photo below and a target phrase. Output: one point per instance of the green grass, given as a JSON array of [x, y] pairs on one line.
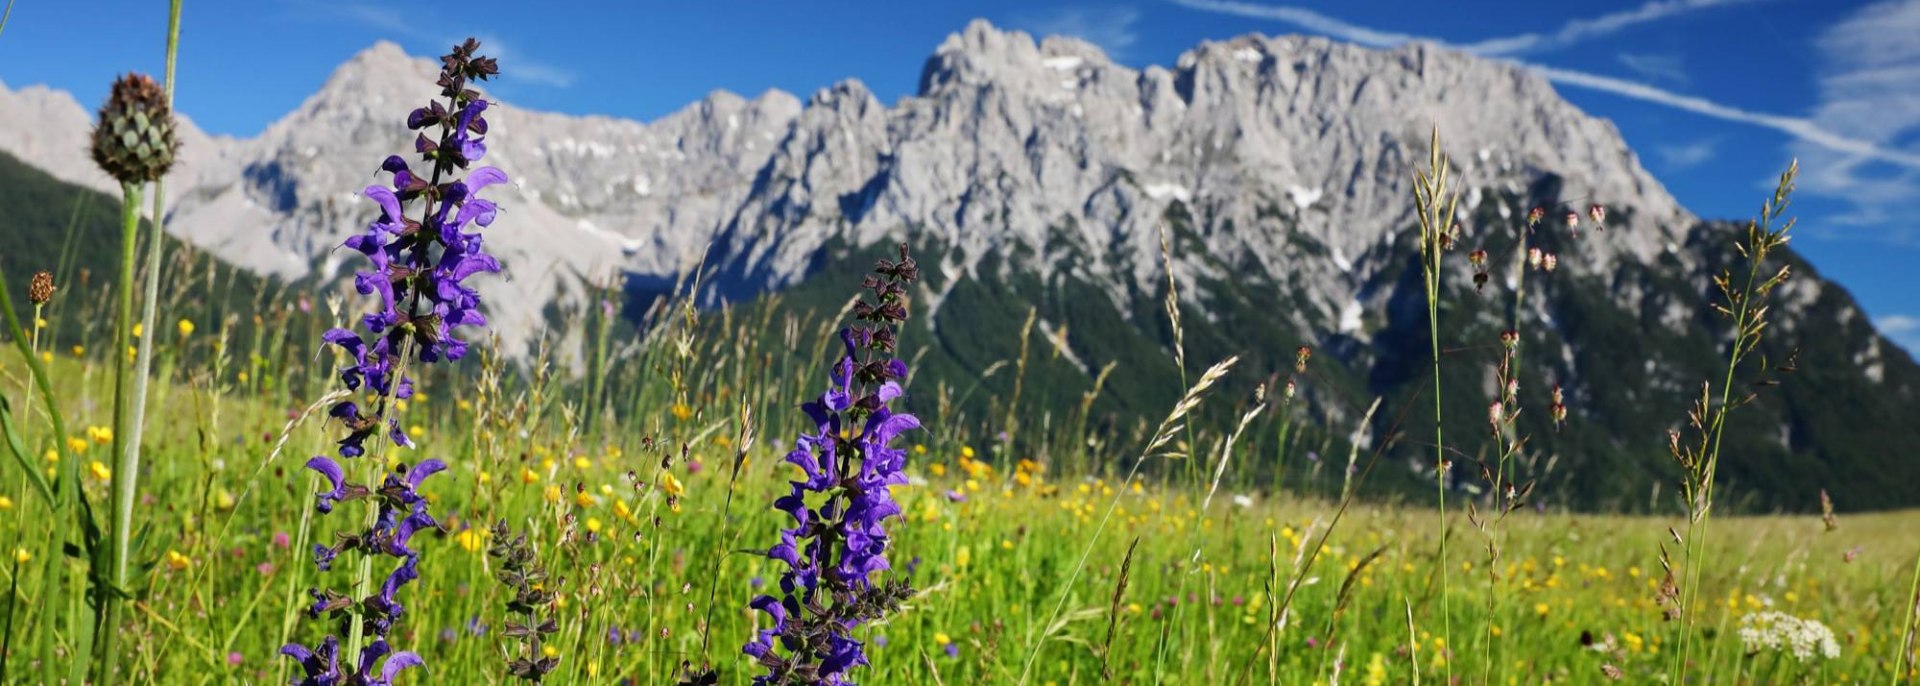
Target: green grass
[[988, 567]]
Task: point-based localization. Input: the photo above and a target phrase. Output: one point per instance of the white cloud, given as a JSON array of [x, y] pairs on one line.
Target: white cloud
[[1575, 31], [395, 25], [1114, 29], [1902, 329], [1306, 19], [1668, 68], [1869, 84], [518, 67], [1859, 148], [1580, 30], [1687, 154]]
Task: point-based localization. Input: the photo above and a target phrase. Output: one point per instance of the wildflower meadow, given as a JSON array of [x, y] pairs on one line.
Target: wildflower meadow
[[326, 484]]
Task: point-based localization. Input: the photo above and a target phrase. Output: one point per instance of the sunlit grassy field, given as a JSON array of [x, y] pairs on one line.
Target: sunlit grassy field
[[654, 566]]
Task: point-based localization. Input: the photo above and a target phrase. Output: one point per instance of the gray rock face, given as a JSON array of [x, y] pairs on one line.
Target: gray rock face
[[1009, 143]]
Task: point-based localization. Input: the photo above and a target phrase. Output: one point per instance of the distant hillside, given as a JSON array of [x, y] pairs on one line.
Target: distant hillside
[[74, 232]]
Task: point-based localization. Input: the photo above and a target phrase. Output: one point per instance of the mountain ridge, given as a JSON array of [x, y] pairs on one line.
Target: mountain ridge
[[1040, 174]]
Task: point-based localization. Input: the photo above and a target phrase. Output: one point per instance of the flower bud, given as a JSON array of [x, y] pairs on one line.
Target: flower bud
[[40, 288], [134, 140]]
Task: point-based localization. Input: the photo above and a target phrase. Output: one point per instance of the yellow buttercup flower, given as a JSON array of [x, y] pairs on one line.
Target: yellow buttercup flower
[[6, 503], [469, 540], [671, 485], [99, 471], [100, 434], [177, 562], [22, 556], [186, 327]]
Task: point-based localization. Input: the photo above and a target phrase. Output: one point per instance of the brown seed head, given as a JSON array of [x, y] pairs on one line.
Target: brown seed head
[[40, 288]]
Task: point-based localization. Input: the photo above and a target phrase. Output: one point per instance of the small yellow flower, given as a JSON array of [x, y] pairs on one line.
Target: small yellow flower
[[938, 469], [583, 499], [186, 327], [22, 555], [963, 556], [53, 456], [671, 485], [223, 500], [486, 478], [100, 434], [99, 471], [942, 638], [177, 562], [39, 323], [137, 330], [46, 357], [549, 650], [966, 451], [682, 412], [528, 476], [416, 431], [6, 503], [79, 351], [593, 525], [553, 493], [1541, 608], [582, 463], [470, 540], [621, 510]]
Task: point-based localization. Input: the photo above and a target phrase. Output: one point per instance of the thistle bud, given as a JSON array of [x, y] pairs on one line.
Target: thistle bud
[[1535, 215], [1477, 257], [1290, 389], [1598, 214], [1533, 257], [1573, 220], [1509, 339], [40, 288], [134, 140], [1549, 261], [1300, 357]]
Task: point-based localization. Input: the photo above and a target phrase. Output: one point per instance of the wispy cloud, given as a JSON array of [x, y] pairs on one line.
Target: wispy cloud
[[1806, 130], [1901, 328], [1575, 31], [1869, 84], [1114, 29], [393, 24], [1685, 155], [1309, 20], [1581, 30], [1667, 68]]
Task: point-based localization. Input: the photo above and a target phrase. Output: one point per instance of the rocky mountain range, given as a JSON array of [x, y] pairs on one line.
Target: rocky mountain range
[[1041, 174]]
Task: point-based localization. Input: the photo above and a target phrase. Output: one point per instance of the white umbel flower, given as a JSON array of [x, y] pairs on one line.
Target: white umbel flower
[[1779, 631]]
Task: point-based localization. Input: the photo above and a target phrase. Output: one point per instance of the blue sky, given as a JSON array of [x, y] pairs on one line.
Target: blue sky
[[1715, 95]]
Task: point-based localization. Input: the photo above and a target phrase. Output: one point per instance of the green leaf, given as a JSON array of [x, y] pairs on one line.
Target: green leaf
[[22, 456]]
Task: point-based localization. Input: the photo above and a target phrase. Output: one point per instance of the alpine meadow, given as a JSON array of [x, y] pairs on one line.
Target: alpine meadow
[[1342, 358]]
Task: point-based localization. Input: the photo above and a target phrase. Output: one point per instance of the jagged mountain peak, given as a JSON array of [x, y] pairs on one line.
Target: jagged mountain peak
[[984, 54]]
